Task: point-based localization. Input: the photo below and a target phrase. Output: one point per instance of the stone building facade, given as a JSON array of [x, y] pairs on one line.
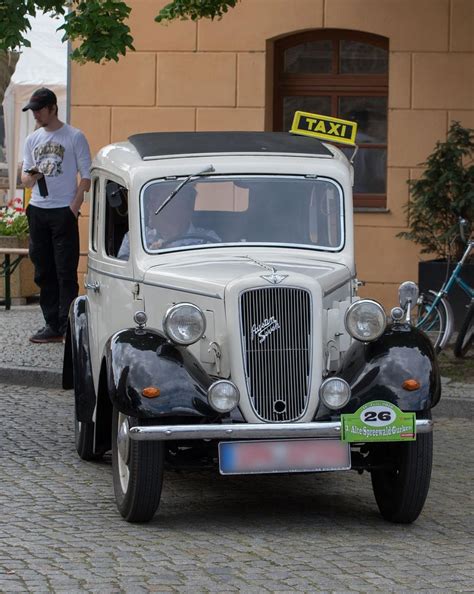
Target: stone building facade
[[222, 75]]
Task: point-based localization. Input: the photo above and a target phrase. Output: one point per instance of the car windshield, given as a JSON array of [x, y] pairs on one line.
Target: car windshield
[[295, 210]]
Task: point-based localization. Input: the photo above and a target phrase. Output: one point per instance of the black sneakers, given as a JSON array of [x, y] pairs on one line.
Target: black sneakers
[[47, 334]]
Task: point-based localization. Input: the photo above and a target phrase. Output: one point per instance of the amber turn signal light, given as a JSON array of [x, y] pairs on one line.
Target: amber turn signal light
[[151, 392], [411, 384]]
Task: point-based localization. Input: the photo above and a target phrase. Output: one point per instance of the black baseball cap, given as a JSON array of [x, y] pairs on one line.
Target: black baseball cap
[[41, 98]]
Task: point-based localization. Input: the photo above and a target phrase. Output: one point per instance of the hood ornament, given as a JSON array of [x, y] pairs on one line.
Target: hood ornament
[[274, 278]]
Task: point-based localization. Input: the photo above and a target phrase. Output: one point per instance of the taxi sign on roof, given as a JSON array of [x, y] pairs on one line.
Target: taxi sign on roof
[[324, 127]]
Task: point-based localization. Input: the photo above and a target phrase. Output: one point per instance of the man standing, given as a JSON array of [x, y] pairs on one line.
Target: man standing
[[55, 153]]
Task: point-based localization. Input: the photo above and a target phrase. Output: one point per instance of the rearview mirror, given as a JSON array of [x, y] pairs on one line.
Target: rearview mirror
[[115, 194]]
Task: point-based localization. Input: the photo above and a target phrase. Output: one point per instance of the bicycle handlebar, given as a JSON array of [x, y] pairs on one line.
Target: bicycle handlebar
[[462, 225]]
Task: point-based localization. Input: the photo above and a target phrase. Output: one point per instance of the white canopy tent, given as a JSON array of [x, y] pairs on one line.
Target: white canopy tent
[[44, 64]]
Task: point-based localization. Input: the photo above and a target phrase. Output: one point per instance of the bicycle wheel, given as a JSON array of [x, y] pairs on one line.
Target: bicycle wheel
[[432, 320], [465, 337]]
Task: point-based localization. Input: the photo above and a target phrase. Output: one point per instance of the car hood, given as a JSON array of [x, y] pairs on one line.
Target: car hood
[[210, 274]]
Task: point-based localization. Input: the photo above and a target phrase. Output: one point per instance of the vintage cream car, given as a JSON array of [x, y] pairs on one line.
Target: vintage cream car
[[221, 324]]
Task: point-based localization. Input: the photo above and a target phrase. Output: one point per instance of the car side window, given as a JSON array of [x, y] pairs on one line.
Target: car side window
[[94, 213], [116, 219]]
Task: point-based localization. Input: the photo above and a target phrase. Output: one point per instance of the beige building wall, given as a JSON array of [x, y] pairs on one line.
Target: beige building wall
[[217, 76]]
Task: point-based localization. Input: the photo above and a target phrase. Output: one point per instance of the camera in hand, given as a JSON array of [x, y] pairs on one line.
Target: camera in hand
[[42, 187]]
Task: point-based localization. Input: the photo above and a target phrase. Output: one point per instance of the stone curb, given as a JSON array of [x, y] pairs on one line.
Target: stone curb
[[43, 377], [39, 377]]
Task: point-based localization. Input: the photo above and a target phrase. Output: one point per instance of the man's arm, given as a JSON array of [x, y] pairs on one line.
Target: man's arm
[[83, 161], [84, 186]]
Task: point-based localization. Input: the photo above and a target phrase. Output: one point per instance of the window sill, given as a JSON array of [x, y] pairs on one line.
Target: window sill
[[373, 210]]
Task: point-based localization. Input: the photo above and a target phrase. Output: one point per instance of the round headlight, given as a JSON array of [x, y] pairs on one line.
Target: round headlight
[[365, 320], [184, 323], [335, 392], [223, 396]]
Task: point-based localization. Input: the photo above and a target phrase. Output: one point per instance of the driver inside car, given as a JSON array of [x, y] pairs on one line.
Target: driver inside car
[[172, 226]]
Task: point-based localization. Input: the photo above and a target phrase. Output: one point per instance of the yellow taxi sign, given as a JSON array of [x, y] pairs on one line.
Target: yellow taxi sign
[[324, 127]]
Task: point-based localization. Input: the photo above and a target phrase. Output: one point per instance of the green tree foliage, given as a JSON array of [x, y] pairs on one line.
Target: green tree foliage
[[100, 25], [194, 9], [97, 27], [443, 193]]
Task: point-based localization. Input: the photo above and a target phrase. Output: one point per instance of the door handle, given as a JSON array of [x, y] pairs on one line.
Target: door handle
[[92, 286]]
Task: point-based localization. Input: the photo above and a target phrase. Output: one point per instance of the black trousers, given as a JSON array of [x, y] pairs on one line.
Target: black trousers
[[54, 251]]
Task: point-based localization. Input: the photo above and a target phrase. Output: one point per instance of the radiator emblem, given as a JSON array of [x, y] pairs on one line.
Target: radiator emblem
[[263, 330]]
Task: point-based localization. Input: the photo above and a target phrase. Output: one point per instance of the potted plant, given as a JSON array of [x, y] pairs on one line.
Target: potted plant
[[14, 234], [443, 193]]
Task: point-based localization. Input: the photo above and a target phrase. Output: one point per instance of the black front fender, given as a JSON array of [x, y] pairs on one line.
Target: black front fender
[[77, 369], [377, 370], [137, 360]]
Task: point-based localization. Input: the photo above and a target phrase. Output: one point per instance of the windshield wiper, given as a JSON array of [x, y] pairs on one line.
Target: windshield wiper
[[209, 169]]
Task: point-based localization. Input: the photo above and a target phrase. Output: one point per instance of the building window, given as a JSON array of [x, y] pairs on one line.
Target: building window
[[344, 74]]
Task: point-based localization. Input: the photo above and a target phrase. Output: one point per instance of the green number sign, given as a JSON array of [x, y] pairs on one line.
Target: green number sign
[[379, 421]]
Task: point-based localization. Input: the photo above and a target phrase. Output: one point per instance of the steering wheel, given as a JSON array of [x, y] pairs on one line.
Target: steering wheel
[[202, 237]]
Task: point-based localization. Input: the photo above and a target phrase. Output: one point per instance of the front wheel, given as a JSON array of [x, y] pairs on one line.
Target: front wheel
[[401, 485], [432, 319], [137, 469], [465, 337]]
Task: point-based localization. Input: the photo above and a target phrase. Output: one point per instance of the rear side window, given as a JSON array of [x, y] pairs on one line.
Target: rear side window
[[94, 213], [116, 219]]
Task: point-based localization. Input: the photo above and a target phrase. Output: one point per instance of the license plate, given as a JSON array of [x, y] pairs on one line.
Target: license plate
[[293, 455]]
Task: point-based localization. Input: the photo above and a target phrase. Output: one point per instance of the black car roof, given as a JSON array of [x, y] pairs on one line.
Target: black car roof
[[159, 144]]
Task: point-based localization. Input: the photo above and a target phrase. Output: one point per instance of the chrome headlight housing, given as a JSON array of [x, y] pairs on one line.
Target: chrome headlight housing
[[408, 292], [223, 396], [365, 320], [184, 323], [335, 392]]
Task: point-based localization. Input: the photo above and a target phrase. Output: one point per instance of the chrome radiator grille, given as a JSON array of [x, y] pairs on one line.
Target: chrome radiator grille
[[276, 342]]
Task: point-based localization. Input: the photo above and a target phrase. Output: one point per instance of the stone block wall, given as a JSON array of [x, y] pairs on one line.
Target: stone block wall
[[217, 75]]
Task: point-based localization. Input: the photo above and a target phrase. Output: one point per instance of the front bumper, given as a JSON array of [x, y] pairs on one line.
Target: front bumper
[[248, 431]]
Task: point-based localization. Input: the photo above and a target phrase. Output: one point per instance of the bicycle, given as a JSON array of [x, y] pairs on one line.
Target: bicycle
[[434, 314]]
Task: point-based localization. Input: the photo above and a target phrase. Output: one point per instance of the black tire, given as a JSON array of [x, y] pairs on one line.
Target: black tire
[[400, 490], [84, 439], [433, 324], [137, 473], [465, 337]]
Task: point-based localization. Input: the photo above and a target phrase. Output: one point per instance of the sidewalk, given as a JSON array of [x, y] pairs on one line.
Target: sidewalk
[[21, 361], [40, 365]]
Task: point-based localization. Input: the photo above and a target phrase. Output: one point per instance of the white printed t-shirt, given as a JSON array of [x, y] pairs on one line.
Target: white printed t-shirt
[[59, 155]]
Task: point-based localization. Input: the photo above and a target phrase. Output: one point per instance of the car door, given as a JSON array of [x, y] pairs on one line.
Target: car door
[[110, 280]]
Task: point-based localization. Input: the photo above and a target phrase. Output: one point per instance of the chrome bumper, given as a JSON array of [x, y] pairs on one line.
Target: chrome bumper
[[249, 431]]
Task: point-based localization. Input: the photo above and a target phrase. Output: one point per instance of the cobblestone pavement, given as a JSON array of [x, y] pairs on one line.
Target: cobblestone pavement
[[60, 531], [17, 325]]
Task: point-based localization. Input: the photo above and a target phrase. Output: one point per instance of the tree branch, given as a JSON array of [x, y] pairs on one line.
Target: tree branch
[[97, 27]]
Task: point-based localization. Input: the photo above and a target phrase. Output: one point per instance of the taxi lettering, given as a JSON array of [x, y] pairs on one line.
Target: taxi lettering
[[324, 127]]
